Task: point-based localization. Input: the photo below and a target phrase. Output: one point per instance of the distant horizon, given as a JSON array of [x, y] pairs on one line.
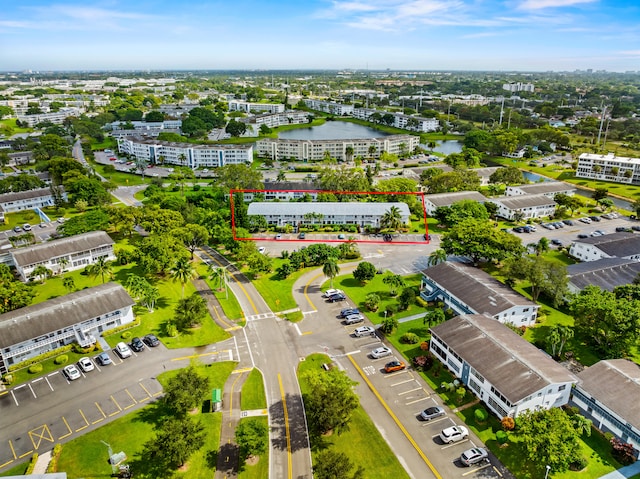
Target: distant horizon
[[374, 35]]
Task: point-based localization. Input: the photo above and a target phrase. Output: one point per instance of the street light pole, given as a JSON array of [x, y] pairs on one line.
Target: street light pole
[[546, 475]]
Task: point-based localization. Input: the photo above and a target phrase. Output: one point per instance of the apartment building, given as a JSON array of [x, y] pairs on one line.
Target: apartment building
[[65, 254], [28, 200], [609, 167], [469, 290], [249, 107], [77, 317], [56, 117], [505, 371], [330, 107], [186, 154], [326, 213], [529, 206], [315, 150]]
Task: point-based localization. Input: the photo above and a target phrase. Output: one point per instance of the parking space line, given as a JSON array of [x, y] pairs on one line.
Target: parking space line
[[32, 391], [395, 419], [13, 451], [40, 433], [6, 463], [100, 409], [452, 444], [473, 471], [402, 382], [132, 398], [145, 390], [25, 454], [409, 391], [68, 427], [433, 421], [50, 386], [369, 344], [415, 401], [497, 471], [85, 420], [117, 405], [14, 398]]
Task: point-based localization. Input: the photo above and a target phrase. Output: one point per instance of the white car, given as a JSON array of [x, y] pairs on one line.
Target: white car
[[454, 434], [123, 350], [86, 364], [380, 352], [71, 372], [331, 292], [262, 249], [586, 220], [364, 331]]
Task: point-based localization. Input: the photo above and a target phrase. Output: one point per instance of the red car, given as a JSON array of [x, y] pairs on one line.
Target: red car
[[112, 159], [394, 366]]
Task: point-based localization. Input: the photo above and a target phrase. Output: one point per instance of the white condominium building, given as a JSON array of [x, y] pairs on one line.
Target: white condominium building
[[329, 107], [406, 122], [609, 168], [248, 107], [186, 154], [310, 150]]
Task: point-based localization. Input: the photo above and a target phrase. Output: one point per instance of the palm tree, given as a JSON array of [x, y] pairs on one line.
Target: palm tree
[[541, 246], [69, 284], [349, 152], [220, 275], [331, 269], [101, 268], [281, 176], [40, 272], [581, 424], [63, 262], [437, 257], [391, 220], [394, 281], [372, 150], [182, 271]]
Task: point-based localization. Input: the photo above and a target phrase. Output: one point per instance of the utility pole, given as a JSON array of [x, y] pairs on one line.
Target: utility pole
[[604, 110], [501, 111]]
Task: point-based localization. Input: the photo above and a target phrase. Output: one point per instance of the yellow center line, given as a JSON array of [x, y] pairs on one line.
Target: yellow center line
[[395, 418], [286, 427], [231, 396], [197, 355], [306, 288], [253, 306]]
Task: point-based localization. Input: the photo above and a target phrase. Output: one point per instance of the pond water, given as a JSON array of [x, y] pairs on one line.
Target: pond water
[[446, 147], [332, 130]]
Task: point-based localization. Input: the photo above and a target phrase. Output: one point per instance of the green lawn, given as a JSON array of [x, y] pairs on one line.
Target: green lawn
[[228, 301], [86, 456], [19, 218], [253, 396], [362, 443], [276, 291], [357, 292], [260, 470]]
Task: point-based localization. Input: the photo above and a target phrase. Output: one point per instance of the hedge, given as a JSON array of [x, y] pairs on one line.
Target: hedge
[[28, 362]]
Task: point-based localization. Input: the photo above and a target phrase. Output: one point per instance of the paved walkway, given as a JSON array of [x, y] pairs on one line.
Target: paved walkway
[[624, 472], [42, 463]]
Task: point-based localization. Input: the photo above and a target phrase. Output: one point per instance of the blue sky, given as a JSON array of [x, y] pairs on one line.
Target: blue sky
[[530, 35]]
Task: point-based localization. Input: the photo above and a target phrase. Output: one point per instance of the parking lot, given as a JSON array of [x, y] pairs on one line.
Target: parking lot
[[52, 408], [403, 394]]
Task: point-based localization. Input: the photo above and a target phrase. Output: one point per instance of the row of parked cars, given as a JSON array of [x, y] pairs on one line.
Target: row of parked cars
[[448, 435], [122, 349]]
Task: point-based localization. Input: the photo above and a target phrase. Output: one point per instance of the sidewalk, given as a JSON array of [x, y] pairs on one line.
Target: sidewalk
[[624, 472]]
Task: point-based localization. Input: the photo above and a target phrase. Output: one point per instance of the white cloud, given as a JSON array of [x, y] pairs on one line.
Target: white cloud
[[540, 4]]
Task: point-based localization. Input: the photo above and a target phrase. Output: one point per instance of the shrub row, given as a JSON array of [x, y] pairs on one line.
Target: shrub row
[[32, 464], [40, 358], [55, 455]]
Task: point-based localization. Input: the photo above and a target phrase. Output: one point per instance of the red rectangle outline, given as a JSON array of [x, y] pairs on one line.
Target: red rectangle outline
[[415, 193]]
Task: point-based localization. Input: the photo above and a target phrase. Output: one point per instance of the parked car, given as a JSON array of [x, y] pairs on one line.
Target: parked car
[[278, 236], [432, 413], [354, 319], [595, 218], [583, 236], [473, 456], [348, 312], [558, 224], [530, 228], [635, 228], [624, 229], [380, 352], [556, 242], [136, 344], [301, 236], [18, 229], [151, 340], [586, 220], [341, 236], [454, 434], [71, 372], [394, 366], [336, 297], [26, 227], [518, 229], [103, 359], [331, 292], [548, 226], [568, 222], [364, 331], [262, 250], [86, 364], [123, 350]]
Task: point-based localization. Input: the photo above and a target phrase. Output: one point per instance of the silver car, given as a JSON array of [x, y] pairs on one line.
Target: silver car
[[380, 352], [473, 456], [353, 319], [364, 331]]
